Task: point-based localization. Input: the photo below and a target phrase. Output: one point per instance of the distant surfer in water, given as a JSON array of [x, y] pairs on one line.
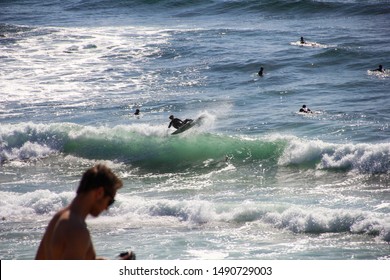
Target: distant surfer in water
[[379, 69], [137, 112], [304, 109], [177, 123], [261, 72], [302, 41]]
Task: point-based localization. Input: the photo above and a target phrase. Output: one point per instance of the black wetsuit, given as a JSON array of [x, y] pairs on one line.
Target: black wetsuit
[[177, 123], [379, 70], [305, 110]]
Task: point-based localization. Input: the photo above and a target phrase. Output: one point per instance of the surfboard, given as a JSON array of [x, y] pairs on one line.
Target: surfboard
[[384, 74], [309, 44], [188, 125]]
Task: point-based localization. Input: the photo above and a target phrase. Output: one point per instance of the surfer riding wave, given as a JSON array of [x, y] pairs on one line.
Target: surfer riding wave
[[177, 123]]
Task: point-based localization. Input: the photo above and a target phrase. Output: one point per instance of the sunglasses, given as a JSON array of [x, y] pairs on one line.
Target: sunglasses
[[112, 200]]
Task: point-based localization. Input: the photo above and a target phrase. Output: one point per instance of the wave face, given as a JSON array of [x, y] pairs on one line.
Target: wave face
[[153, 148]]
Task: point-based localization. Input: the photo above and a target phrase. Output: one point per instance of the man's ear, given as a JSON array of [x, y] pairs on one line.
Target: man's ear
[[99, 192]]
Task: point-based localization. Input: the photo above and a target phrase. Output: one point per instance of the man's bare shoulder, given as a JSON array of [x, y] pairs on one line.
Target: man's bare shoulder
[[52, 241], [70, 237], [57, 217], [69, 223]]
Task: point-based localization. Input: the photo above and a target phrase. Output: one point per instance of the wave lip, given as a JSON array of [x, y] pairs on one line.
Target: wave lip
[[363, 158], [27, 142], [325, 221]]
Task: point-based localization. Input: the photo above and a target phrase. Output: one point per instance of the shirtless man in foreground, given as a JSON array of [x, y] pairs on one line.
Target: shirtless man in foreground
[[67, 235]]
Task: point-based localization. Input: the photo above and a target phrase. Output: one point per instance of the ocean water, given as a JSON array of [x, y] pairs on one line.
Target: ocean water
[[257, 180]]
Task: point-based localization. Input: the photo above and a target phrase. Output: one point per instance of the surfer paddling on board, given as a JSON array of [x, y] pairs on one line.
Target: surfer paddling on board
[[177, 123], [67, 236], [379, 69], [304, 109]]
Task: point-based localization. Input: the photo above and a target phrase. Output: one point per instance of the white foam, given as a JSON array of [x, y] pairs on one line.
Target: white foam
[[311, 44], [364, 158], [131, 210], [87, 48], [208, 254], [379, 74], [32, 205]]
